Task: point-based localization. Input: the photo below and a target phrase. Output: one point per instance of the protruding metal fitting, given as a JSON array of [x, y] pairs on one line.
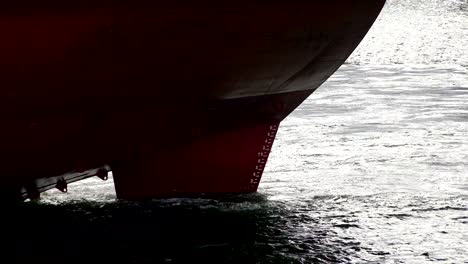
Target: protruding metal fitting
[[61, 185], [34, 194], [103, 174]]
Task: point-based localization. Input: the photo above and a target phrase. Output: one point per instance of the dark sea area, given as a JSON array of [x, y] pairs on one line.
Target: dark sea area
[[371, 168]]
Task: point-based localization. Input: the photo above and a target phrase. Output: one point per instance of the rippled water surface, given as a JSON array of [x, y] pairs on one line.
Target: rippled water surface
[[372, 168]]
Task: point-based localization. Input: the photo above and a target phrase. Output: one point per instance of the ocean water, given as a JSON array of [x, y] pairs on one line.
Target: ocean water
[[371, 168]]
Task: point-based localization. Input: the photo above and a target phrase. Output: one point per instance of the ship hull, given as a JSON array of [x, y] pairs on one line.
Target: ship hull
[[175, 98]]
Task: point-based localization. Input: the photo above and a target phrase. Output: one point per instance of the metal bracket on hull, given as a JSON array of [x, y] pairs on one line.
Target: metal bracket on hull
[[61, 185], [102, 174], [32, 190]]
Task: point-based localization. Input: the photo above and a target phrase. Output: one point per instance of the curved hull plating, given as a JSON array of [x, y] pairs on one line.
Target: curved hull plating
[[176, 98]]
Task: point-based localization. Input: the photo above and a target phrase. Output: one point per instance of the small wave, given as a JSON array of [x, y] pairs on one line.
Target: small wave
[[445, 208]]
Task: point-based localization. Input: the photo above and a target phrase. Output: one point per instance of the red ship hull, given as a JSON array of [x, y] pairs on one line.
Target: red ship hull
[[175, 98]]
